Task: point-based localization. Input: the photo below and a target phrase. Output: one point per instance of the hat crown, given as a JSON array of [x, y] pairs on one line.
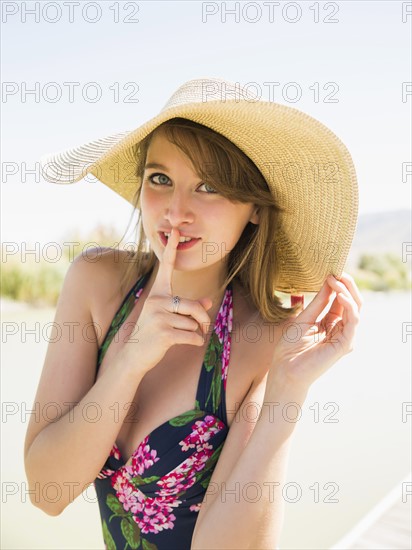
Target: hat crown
[[202, 90]]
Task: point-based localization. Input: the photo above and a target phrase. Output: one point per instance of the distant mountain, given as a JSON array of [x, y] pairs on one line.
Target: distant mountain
[[380, 233]]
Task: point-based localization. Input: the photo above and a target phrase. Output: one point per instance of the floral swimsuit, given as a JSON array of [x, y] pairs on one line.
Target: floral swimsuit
[[152, 503]]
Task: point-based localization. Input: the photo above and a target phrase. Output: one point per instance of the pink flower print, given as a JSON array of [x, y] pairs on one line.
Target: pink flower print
[[174, 483], [184, 475], [115, 452], [197, 461], [170, 481], [230, 316], [224, 317], [157, 514], [151, 514], [202, 431], [138, 293], [220, 327], [131, 498], [144, 457], [106, 472], [225, 360], [195, 507]]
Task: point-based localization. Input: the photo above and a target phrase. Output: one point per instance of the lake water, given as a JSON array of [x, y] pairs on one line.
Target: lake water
[[351, 447]]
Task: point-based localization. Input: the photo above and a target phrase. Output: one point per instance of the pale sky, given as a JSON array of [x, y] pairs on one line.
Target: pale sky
[[362, 60]]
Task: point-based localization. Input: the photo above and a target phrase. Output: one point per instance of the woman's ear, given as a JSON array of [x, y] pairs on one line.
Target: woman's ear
[[254, 218]]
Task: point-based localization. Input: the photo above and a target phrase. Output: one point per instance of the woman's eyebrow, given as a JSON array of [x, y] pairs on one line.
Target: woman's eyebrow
[[155, 165]]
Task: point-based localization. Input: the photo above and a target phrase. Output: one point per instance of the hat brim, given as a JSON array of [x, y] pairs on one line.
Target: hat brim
[[307, 167]]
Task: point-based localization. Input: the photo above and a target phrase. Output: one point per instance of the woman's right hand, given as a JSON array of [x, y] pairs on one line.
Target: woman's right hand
[[157, 329]]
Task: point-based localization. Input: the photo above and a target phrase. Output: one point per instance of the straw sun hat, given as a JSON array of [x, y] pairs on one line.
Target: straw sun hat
[[308, 169]]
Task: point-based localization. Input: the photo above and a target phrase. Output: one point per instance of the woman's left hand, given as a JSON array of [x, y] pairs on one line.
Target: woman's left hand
[[307, 347]]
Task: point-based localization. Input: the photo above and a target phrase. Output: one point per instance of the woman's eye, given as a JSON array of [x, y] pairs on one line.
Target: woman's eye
[[162, 179], [209, 188]]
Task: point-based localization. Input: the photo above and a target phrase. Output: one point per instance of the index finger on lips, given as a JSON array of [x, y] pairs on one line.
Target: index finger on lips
[[163, 282]]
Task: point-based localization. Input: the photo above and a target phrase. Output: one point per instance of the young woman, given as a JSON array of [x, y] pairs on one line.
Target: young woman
[[237, 199]]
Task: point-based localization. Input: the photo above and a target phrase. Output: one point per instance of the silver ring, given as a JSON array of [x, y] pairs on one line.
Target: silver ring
[[176, 303]]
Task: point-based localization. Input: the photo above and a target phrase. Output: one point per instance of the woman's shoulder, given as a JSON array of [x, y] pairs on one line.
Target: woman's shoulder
[[108, 275], [104, 266]]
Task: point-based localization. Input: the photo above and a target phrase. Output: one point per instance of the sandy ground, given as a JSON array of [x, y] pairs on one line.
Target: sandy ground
[[337, 472]]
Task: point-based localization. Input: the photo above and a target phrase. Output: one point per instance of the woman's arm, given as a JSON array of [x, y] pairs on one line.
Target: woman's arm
[[65, 452], [67, 443], [246, 507], [243, 507]]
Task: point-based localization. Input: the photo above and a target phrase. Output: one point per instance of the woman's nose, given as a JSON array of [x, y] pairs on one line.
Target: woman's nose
[[178, 208]]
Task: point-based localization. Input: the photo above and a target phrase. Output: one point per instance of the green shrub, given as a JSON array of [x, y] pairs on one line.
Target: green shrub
[[40, 283], [382, 272], [37, 284]]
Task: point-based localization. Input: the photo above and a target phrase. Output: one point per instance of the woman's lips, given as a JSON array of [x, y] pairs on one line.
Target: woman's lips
[[180, 246]]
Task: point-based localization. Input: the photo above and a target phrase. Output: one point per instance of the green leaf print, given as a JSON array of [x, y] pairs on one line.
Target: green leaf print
[[107, 537], [210, 359], [139, 480], [217, 384], [148, 545], [213, 351], [185, 418], [205, 482], [113, 503], [131, 533], [119, 318], [197, 405]]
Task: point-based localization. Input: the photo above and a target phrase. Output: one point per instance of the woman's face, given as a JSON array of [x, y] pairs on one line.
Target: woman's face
[[173, 195]]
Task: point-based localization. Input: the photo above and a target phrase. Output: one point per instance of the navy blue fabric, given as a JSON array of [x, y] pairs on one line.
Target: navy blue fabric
[[153, 501]]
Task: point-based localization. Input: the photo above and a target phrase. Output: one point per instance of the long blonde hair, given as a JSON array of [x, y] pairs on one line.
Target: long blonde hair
[[220, 163]]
